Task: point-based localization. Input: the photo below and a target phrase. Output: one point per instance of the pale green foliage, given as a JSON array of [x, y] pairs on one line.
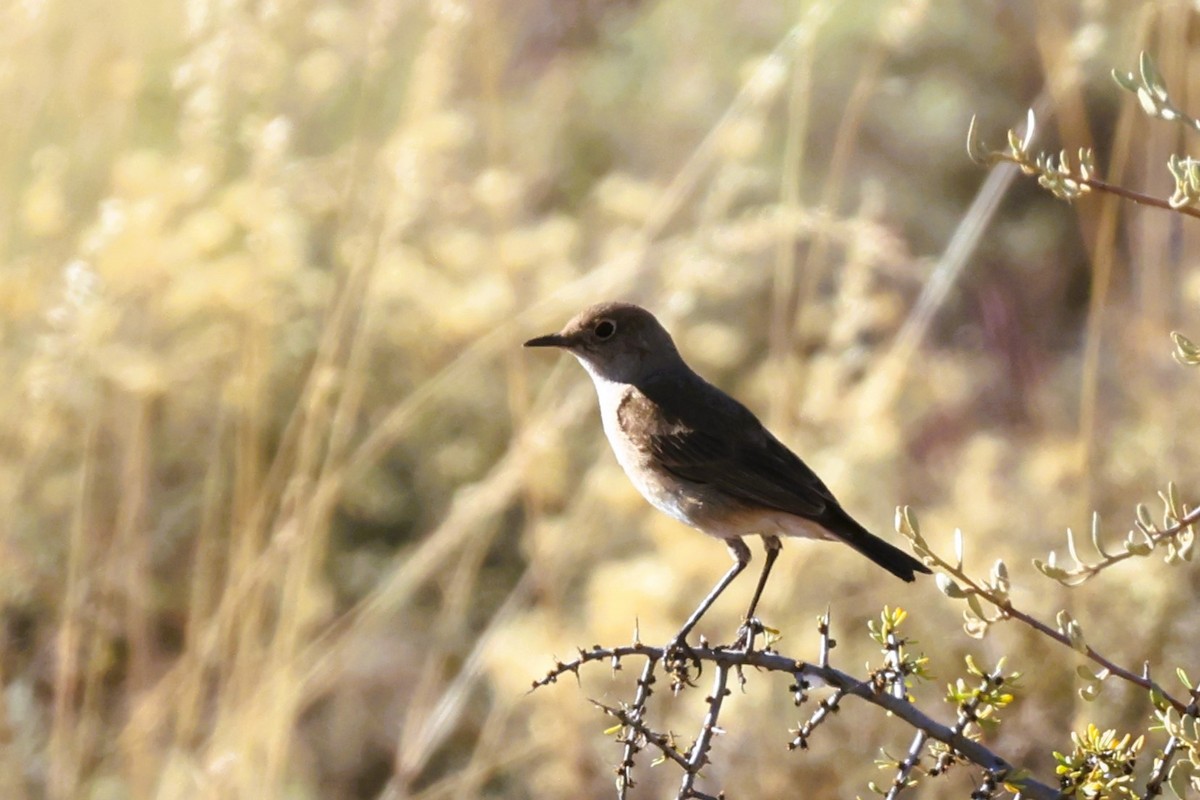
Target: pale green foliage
[[1054, 173], [1175, 535], [1100, 766], [1178, 764], [1066, 182], [982, 695], [885, 633], [1151, 91]]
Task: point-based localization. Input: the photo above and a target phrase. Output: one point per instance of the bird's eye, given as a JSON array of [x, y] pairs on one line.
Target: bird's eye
[[604, 329]]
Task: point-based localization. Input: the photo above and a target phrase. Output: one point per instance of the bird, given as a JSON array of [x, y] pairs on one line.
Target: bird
[[700, 456]]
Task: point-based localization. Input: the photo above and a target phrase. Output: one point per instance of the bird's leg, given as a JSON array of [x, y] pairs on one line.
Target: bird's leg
[[741, 557], [678, 653], [752, 626], [773, 546]]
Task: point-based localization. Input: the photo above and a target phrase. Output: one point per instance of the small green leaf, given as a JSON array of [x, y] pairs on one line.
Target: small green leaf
[[1072, 630], [1030, 127], [1126, 80], [1151, 77], [1136, 547], [1157, 699], [1172, 500], [1096, 535], [972, 667], [1014, 145], [949, 588], [1071, 546], [973, 626], [1075, 636], [906, 524], [1049, 570], [1186, 352], [1147, 102], [977, 151], [1143, 516]]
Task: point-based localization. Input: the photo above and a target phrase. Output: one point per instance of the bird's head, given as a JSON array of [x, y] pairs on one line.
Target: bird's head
[[618, 342]]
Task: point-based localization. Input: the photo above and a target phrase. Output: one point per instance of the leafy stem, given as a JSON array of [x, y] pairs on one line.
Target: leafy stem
[[955, 583]]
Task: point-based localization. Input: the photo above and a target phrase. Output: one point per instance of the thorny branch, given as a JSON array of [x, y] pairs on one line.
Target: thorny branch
[[1162, 766], [905, 767], [807, 675], [625, 780], [698, 756]]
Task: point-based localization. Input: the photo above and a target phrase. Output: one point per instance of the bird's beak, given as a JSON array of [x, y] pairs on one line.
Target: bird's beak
[[549, 340]]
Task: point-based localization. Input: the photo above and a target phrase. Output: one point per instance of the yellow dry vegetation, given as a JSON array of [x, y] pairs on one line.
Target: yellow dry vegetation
[[289, 513]]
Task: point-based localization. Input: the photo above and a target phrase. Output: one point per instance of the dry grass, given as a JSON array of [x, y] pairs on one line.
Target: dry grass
[[291, 514]]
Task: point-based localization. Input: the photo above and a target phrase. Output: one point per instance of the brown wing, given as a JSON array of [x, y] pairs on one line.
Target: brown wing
[[704, 436]]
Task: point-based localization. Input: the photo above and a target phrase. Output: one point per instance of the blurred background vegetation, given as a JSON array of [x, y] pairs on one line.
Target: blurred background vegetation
[[289, 513]]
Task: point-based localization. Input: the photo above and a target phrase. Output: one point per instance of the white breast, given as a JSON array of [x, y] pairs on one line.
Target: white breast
[[667, 498]]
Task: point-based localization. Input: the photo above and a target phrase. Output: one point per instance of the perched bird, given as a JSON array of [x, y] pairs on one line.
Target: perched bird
[[700, 456]]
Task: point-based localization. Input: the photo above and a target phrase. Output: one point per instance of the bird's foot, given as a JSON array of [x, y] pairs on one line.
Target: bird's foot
[[750, 630], [679, 659]]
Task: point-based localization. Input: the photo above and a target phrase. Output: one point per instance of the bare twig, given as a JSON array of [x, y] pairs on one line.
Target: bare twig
[[698, 756], [905, 767], [895, 661], [827, 641], [1162, 767], [826, 707], [664, 742], [625, 780]]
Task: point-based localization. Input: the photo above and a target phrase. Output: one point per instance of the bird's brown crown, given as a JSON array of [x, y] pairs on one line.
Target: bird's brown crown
[[621, 342]]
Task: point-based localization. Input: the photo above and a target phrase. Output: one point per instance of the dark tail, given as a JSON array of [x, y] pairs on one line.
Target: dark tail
[[888, 556]]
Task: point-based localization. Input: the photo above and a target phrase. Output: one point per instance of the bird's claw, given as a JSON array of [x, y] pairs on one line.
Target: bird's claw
[[750, 630], [678, 659]]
